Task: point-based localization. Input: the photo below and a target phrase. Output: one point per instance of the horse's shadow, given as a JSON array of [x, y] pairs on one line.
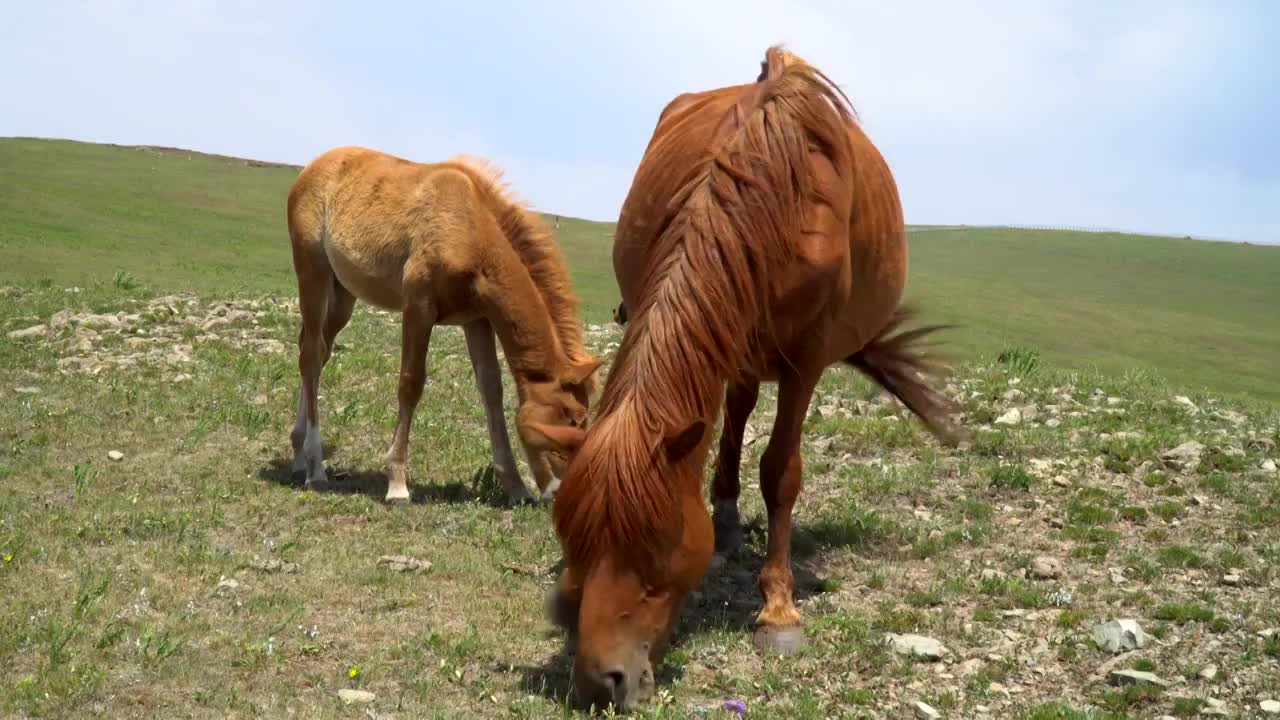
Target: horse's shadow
[[727, 600], [481, 486]]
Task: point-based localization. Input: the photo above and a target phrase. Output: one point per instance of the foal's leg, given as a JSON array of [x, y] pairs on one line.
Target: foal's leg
[[739, 401], [780, 479], [315, 287], [415, 331], [484, 361], [336, 313]]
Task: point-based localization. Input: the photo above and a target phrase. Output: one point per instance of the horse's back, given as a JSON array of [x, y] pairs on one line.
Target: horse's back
[[380, 220]]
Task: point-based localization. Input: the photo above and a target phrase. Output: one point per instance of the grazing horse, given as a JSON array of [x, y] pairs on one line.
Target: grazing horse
[[443, 244], [762, 241]]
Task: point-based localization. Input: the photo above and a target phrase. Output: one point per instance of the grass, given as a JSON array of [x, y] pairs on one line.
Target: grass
[[193, 577], [1078, 301]]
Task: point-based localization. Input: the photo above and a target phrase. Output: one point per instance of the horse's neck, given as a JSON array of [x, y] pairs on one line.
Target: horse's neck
[[523, 325]]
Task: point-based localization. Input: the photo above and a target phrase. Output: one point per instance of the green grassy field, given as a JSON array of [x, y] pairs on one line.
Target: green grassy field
[[1202, 314], [158, 559]]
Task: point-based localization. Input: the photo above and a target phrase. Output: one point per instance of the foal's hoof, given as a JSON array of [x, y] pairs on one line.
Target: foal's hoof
[[783, 640], [320, 484], [397, 501]]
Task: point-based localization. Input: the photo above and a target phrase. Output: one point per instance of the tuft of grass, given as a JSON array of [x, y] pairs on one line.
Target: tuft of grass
[[1011, 477], [1019, 361]]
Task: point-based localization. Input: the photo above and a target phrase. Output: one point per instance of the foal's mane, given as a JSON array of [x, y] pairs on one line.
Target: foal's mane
[[533, 241], [702, 304]]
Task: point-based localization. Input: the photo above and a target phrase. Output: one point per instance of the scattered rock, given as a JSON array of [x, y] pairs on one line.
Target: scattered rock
[[27, 390], [1119, 636], [1268, 466], [1012, 417], [115, 455], [1013, 394], [272, 565], [917, 646], [1232, 579], [1270, 707], [404, 563], [1185, 457], [925, 711], [1213, 707], [1137, 677], [226, 585], [1208, 672], [1186, 404], [990, 574], [361, 697], [1052, 422], [34, 331], [1231, 416], [1045, 568]]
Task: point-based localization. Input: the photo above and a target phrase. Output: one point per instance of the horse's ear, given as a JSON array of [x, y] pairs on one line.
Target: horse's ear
[[552, 437], [682, 443]]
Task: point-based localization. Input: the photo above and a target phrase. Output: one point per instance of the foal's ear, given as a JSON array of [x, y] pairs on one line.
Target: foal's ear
[[582, 370], [683, 442], [552, 437]]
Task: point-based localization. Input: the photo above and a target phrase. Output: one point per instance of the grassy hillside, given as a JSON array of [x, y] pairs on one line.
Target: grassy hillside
[[1200, 314]]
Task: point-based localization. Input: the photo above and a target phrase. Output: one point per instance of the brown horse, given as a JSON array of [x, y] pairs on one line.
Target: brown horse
[[762, 241], [444, 244]]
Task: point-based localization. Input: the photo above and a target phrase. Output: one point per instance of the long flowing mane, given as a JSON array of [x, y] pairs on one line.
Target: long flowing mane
[[702, 304], [533, 241]]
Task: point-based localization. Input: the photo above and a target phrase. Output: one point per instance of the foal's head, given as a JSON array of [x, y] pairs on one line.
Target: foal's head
[[633, 553], [559, 399]]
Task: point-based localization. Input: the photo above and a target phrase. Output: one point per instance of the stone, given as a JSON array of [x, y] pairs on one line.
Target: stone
[[272, 565], [1268, 465], [115, 455], [1045, 568], [1270, 707], [34, 331], [27, 390], [924, 711], [1186, 404], [404, 563], [1137, 677], [1208, 672], [353, 697], [917, 646], [1014, 394], [1052, 423], [1029, 413], [1012, 417], [1119, 635], [1185, 457], [991, 574], [226, 584], [1232, 579]]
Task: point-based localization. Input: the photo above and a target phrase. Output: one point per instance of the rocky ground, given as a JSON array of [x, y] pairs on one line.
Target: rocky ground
[[1102, 547]]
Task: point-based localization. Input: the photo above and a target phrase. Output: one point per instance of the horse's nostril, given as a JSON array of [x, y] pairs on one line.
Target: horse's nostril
[[614, 679]]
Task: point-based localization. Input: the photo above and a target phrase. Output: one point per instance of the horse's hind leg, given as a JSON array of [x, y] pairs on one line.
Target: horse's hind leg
[[484, 361], [416, 320], [315, 293], [740, 401], [780, 480]]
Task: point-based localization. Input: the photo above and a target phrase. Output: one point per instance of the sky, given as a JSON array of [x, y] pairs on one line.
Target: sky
[[1159, 116]]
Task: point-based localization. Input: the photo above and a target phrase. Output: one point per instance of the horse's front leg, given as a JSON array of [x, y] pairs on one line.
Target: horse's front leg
[[740, 401], [484, 362], [778, 625], [416, 322]]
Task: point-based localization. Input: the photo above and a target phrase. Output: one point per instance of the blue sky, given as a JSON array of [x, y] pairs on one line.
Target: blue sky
[[1156, 116]]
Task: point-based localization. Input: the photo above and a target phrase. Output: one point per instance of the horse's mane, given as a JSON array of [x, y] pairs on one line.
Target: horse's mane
[[701, 305], [536, 246]]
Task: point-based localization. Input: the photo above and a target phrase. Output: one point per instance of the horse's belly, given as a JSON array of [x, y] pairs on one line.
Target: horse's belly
[[371, 278]]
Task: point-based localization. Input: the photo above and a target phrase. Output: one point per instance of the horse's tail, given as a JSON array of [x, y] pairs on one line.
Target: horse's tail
[[897, 363]]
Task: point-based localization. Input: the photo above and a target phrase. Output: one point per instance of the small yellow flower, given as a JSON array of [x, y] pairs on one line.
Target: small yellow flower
[[354, 671], [8, 558]]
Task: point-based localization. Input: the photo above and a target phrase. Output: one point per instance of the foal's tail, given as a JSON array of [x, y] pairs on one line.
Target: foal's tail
[[897, 363]]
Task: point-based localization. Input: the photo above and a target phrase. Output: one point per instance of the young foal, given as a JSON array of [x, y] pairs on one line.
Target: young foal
[[445, 245], [762, 240]]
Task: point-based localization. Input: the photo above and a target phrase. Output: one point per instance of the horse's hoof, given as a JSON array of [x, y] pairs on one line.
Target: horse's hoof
[[397, 501], [783, 640]]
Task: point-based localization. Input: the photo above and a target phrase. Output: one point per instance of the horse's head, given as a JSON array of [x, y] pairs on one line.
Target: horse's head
[[559, 399], [630, 560]]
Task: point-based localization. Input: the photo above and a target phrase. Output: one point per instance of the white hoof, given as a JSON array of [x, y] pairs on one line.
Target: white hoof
[[397, 496]]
